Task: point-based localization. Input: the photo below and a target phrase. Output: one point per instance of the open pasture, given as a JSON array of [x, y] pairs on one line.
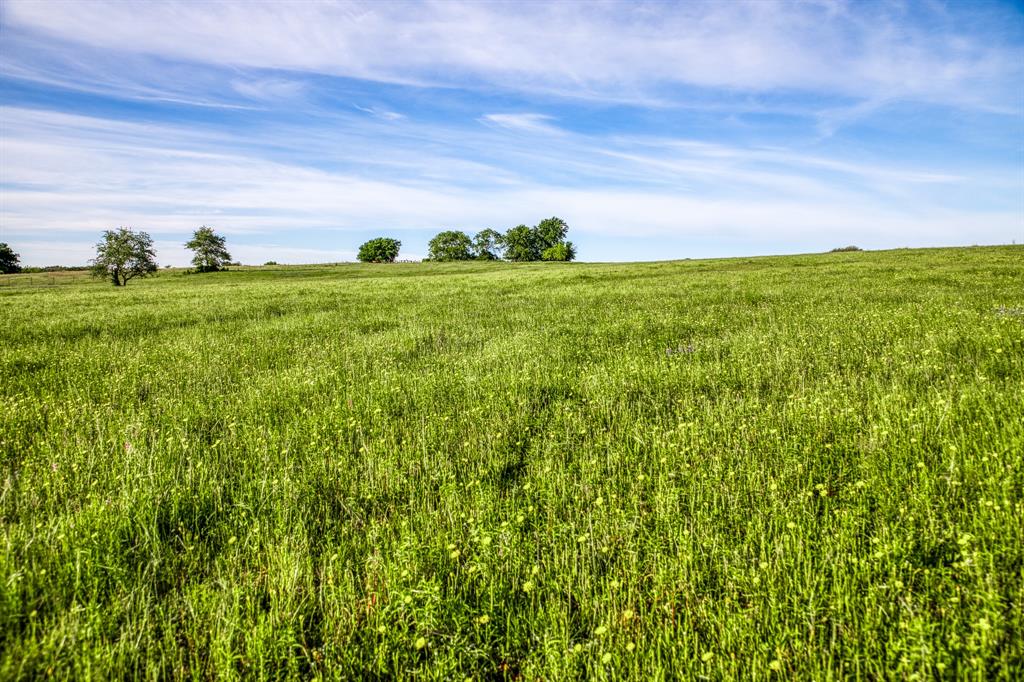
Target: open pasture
[[803, 467]]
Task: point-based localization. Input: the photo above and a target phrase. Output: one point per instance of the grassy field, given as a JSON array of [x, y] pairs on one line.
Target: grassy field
[[804, 467]]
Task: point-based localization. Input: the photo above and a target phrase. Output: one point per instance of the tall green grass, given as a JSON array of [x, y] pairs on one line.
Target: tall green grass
[[803, 467]]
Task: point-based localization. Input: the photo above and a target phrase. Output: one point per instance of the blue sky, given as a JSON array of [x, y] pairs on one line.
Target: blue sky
[[656, 130]]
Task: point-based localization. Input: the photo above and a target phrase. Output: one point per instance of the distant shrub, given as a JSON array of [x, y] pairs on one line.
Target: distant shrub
[[562, 251], [271, 262], [56, 268], [379, 250], [846, 248]]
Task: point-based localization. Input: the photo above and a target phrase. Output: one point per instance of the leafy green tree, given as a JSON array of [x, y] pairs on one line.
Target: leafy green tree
[[519, 244], [451, 245], [124, 254], [562, 251], [487, 245], [548, 233], [9, 261], [211, 255], [522, 243], [379, 250]]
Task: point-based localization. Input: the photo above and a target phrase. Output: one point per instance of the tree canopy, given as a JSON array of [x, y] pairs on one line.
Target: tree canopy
[[451, 245], [548, 233], [124, 254], [487, 245], [544, 241], [9, 261], [379, 250], [519, 244], [211, 254]]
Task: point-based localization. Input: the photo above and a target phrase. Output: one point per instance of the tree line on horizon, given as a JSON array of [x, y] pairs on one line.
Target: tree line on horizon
[[545, 241], [125, 254]]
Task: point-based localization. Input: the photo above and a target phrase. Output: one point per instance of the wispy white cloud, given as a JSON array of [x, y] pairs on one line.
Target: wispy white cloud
[[528, 122], [291, 124], [40, 60], [269, 88], [606, 50], [67, 174], [384, 114]]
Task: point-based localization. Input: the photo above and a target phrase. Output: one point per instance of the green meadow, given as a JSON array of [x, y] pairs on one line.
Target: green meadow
[[794, 468]]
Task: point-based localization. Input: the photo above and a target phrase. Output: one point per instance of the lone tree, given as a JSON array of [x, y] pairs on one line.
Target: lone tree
[[487, 245], [211, 255], [9, 261], [451, 245], [124, 254], [379, 250]]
